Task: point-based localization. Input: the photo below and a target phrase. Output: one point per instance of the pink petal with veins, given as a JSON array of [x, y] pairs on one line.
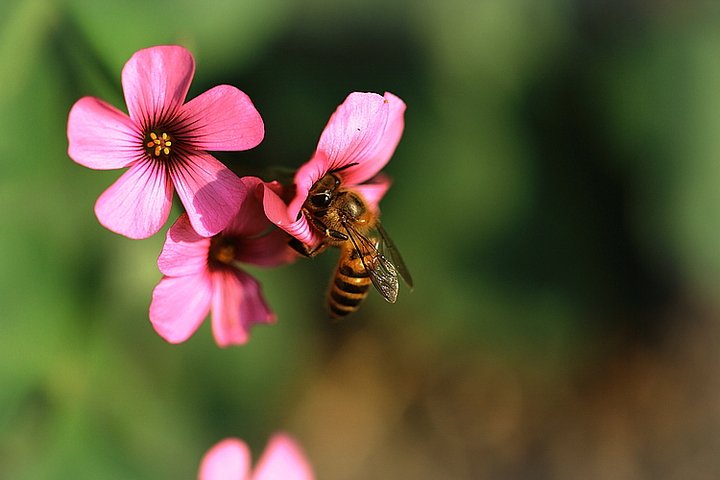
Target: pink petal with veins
[[227, 460], [102, 137], [283, 459], [185, 252], [210, 192], [223, 118], [237, 305], [385, 148], [354, 130], [156, 81], [179, 305], [138, 203]]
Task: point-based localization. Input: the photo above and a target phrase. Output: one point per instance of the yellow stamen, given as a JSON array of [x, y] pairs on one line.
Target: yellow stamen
[[157, 143]]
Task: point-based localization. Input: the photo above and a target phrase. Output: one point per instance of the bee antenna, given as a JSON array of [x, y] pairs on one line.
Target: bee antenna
[[344, 167]]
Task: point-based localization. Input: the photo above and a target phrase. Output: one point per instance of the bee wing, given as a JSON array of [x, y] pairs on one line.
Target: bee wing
[[395, 256], [381, 271], [383, 276]]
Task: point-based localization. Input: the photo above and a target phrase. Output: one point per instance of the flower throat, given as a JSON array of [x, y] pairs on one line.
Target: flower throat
[[222, 250]]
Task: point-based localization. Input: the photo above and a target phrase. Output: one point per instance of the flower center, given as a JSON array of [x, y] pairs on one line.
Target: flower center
[[225, 254], [157, 143], [222, 250]]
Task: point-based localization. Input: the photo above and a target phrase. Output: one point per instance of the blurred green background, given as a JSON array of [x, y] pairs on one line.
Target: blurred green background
[[556, 197]]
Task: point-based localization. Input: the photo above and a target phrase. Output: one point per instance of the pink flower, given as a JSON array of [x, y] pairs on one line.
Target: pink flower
[[164, 142], [363, 132], [202, 274], [282, 459]]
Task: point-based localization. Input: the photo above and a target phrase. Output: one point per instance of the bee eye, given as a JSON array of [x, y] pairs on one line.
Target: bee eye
[[320, 200]]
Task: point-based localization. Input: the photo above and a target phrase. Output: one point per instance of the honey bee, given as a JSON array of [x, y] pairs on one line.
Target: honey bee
[[347, 221]]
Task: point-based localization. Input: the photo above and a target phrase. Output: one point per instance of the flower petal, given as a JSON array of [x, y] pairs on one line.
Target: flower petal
[[374, 190], [223, 118], [210, 192], [227, 460], [179, 305], [385, 147], [270, 250], [354, 131], [275, 209], [155, 82], [185, 252], [102, 137], [237, 305], [250, 219], [138, 203], [277, 212], [283, 459]]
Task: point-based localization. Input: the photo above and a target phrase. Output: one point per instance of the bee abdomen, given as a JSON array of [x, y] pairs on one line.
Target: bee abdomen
[[349, 286]]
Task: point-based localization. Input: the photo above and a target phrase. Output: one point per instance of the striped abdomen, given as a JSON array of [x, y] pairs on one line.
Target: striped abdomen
[[350, 284]]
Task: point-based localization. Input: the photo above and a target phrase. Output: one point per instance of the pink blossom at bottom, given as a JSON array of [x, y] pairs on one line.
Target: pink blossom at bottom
[[283, 459]]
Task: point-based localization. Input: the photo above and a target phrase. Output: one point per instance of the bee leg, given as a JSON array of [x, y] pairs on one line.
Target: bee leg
[[336, 235], [329, 232], [303, 249]]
